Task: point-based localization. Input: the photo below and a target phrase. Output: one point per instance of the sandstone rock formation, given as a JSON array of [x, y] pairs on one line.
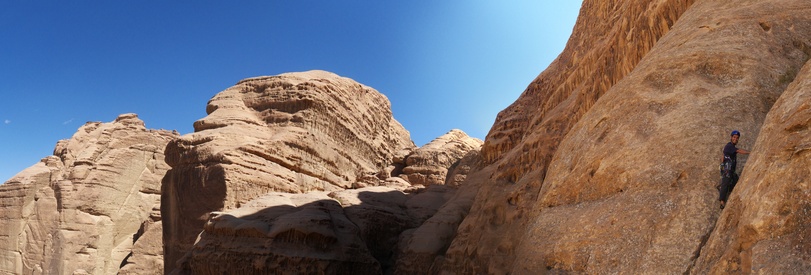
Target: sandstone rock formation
[[625, 183], [293, 133], [429, 164], [80, 210], [607, 163], [342, 232], [766, 228], [608, 40]]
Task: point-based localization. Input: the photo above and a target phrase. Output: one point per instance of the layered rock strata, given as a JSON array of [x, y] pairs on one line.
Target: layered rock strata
[[342, 232], [631, 186], [292, 133], [81, 210], [430, 163], [608, 41]]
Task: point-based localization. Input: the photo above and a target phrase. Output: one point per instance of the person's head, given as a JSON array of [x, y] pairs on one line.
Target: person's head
[[735, 136]]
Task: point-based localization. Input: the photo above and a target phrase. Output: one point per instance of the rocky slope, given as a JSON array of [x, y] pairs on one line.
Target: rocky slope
[[297, 133], [84, 209]]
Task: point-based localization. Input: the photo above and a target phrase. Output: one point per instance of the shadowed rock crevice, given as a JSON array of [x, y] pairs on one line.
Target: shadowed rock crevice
[[343, 232]]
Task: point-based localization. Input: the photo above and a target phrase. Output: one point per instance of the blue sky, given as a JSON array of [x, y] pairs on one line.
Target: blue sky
[[442, 64]]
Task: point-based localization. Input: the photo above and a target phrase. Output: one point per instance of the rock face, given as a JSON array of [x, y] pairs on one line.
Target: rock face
[[631, 187], [83, 210], [292, 133], [608, 160], [342, 232], [607, 163], [766, 228], [608, 40], [429, 164]]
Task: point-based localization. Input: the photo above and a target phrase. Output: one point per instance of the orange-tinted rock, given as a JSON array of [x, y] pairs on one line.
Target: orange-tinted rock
[[631, 186]]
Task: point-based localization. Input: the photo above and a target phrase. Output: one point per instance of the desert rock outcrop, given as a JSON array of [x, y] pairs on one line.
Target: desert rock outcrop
[[430, 164], [608, 40], [766, 228], [343, 232], [631, 186], [292, 133], [80, 210]]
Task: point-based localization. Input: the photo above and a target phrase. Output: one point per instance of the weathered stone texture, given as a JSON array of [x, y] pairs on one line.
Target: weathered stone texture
[[429, 164], [766, 227], [342, 232], [76, 212], [631, 187], [608, 40], [293, 133]]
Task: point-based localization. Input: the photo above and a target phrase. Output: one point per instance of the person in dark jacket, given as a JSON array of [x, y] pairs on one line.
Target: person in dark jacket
[[728, 176]]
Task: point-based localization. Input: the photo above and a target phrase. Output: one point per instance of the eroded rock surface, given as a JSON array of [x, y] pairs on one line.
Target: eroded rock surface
[[292, 133], [430, 164], [341, 232], [625, 183], [766, 227], [76, 212], [608, 41]]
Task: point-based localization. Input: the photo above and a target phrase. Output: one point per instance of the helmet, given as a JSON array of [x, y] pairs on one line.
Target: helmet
[[735, 132]]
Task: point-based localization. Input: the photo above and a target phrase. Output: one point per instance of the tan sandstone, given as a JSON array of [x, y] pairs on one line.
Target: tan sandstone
[[430, 163], [608, 40], [766, 227], [292, 133], [80, 211]]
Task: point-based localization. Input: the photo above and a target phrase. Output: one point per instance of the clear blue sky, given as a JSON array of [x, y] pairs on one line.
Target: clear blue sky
[[442, 64]]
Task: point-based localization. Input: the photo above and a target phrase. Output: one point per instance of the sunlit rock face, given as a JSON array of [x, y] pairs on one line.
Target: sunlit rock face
[[85, 209], [291, 133], [430, 163], [619, 176], [608, 41], [766, 227]]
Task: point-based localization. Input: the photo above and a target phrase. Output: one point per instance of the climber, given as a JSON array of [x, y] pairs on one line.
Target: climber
[[728, 176]]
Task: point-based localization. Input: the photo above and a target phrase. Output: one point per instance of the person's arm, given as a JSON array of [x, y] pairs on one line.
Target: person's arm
[[742, 151]]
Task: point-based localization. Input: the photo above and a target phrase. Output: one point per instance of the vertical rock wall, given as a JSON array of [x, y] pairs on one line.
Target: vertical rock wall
[[631, 186], [608, 40], [766, 227], [77, 212]]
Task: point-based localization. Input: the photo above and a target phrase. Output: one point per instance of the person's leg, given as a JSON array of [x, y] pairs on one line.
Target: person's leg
[[724, 192], [733, 181]]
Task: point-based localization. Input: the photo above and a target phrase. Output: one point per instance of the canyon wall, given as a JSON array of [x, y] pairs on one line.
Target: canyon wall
[[766, 228], [621, 176], [84, 210], [608, 40]]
